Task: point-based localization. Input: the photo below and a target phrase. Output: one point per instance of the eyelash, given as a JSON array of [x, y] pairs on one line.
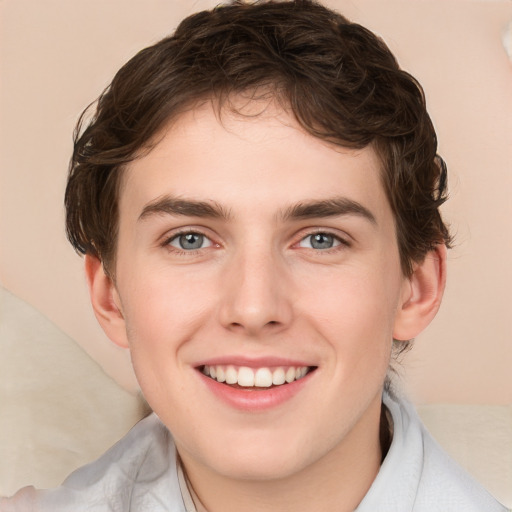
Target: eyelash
[[340, 245], [167, 242]]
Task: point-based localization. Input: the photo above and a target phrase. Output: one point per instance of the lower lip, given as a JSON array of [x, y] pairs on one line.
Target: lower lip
[[255, 399]]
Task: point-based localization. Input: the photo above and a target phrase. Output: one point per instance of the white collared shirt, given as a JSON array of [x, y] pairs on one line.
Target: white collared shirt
[[140, 474]]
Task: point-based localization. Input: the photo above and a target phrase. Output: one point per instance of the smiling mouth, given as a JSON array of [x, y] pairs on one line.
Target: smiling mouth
[[244, 377]]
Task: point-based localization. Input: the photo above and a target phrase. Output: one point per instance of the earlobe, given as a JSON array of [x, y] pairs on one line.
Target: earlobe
[[421, 295], [105, 301]]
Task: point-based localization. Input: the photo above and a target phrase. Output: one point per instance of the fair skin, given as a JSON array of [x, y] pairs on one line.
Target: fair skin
[[249, 243]]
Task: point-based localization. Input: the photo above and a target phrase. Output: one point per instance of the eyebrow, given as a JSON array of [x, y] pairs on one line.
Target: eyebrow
[[333, 207], [168, 205]]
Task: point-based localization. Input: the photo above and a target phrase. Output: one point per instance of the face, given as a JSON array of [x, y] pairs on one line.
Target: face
[[266, 258]]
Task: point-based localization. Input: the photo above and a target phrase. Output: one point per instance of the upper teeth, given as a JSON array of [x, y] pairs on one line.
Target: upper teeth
[[259, 377]]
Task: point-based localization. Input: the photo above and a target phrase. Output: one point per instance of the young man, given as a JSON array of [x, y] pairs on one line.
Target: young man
[[257, 200]]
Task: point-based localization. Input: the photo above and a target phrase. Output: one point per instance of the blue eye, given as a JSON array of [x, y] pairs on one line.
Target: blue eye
[[320, 241], [190, 241]]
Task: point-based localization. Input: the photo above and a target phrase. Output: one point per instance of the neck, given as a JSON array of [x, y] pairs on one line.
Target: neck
[[337, 481]]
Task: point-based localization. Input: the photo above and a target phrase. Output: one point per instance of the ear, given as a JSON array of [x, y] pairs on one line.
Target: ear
[[105, 301], [421, 295]]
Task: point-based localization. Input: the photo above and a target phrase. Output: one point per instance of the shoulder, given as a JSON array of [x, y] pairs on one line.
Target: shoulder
[[417, 475], [137, 473]]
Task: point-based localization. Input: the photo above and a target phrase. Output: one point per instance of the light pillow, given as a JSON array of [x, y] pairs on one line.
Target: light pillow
[[58, 409], [479, 438]]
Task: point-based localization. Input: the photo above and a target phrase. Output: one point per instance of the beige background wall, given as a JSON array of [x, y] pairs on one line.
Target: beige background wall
[[58, 55]]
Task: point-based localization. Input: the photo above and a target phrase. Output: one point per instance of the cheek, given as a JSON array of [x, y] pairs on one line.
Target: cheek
[[163, 308], [356, 296], [355, 313]]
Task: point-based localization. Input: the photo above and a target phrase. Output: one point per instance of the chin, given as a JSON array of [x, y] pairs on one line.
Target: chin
[[261, 457], [260, 468]]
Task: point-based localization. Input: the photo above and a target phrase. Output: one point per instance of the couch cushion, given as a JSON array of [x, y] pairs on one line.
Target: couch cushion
[[58, 409], [479, 438]]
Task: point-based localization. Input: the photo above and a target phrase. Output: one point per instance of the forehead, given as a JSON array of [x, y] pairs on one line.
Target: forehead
[[258, 155]]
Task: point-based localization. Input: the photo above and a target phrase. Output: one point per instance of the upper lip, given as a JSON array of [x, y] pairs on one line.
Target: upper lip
[[256, 362]]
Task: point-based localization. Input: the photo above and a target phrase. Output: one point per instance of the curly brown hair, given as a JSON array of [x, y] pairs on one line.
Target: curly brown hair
[[339, 80]]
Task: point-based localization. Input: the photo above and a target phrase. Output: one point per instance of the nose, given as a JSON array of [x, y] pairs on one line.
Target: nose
[[256, 294]]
